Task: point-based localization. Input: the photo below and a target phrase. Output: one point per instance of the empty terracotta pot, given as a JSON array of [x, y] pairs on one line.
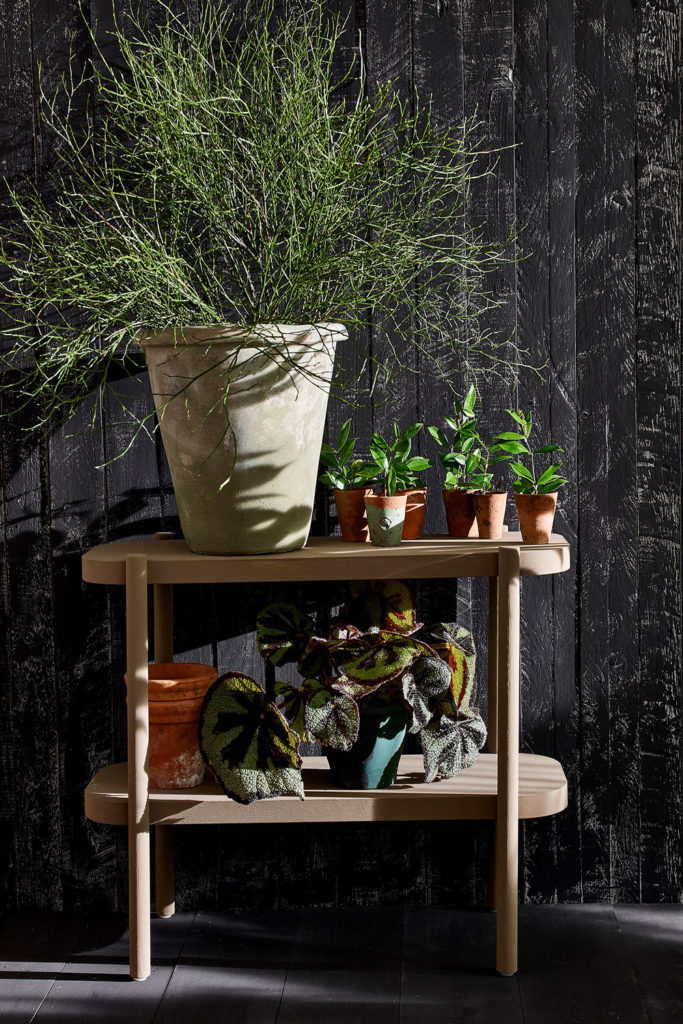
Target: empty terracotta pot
[[536, 513], [176, 691], [490, 512], [416, 501], [351, 513], [460, 513]]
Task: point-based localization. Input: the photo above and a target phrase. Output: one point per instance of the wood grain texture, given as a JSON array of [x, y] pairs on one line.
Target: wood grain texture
[[590, 92]]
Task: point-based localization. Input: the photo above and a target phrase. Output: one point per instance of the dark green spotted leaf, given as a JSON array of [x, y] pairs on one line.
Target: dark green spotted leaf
[[383, 604], [317, 712], [282, 632], [378, 657], [427, 680], [449, 745], [246, 741]]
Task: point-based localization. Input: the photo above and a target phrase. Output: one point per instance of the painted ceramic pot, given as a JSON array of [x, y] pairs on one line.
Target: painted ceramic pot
[[536, 513], [386, 516], [490, 512], [460, 513], [372, 762], [351, 514], [176, 691]]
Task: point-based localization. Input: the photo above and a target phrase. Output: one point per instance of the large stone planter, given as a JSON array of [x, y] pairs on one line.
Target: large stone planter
[[244, 466]]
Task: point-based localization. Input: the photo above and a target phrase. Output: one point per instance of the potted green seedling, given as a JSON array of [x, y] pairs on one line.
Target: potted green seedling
[[489, 503], [365, 682], [397, 470], [459, 456], [229, 205], [349, 477], [535, 488]]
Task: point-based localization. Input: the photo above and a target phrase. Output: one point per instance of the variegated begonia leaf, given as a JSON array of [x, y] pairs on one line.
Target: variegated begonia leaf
[[377, 658], [246, 741], [456, 646], [317, 712], [427, 680], [451, 744], [282, 632], [384, 604]]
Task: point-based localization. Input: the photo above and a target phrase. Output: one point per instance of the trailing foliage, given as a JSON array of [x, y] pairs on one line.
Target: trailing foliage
[[379, 663], [227, 174]]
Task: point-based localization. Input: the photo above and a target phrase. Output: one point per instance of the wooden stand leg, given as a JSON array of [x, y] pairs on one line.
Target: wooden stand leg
[[492, 724], [165, 870], [163, 835], [138, 784], [507, 823]]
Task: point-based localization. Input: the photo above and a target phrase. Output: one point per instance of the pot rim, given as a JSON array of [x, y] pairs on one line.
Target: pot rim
[[546, 494], [225, 334]]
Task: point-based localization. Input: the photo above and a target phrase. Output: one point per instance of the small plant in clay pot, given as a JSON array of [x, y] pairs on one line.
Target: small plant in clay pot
[[459, 457], [349, 477], [535, 492], [398, 512], [489, 504]]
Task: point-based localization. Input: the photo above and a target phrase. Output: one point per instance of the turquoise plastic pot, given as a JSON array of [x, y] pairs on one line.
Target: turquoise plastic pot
[[373, 760]]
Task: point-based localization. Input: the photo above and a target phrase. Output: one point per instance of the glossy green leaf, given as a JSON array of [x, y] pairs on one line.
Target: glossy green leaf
[[521, 470], [548, 448], [344, 434], [247, 743], [470, 400], [547, 474], [509, 435], [438, 436], [418, 463]]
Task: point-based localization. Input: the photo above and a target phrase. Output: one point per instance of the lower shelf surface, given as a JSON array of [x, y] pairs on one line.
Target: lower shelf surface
[[471, 794]]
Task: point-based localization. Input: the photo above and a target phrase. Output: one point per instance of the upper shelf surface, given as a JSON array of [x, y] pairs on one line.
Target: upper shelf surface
[[325, 558]]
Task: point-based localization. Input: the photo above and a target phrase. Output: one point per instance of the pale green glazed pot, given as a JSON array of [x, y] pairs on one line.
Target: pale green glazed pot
[[386, 516], [264, 439]]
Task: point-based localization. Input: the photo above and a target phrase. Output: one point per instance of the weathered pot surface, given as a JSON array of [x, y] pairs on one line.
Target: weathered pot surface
[[490, 512], [536, 513], [351, 513], [460, 513], [244, 467], [175, 693], [416, 505], [386, 516]]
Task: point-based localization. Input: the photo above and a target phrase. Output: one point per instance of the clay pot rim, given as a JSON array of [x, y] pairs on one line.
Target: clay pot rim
[[412, 490], [167, 683], [384, 498], [352, 490], [488, 494], [546, 494], [186, 335]]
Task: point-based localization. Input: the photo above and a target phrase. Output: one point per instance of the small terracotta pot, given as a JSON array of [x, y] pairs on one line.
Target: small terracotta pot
[[416, 503], [386, 516], [176, 691], [460, 513], [490, 512], [536, 513], [351, 513]]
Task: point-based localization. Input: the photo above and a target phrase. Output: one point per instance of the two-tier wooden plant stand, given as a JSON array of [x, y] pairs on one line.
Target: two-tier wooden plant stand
[[502, 786]]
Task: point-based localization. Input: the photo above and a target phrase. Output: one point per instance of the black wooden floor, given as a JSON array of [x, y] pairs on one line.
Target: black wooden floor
[[579, 964]]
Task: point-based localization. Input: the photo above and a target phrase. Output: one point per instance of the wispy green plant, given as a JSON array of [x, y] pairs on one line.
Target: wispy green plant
[[227, 175]]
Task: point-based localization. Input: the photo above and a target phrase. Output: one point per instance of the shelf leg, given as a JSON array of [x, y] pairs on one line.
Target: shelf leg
[[492, 723], [165, 870], [163, 616], [138, 782], [507, 822]]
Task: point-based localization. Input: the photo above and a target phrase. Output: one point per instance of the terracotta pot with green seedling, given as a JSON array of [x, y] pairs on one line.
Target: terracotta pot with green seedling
[[350, 478], [365, 682], [535, 491], [459, 455], [235, 213], [397, 471], [489, 504]]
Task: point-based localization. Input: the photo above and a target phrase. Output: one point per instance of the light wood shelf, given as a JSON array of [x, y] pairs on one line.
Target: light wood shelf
[[472, 794], [502, 786]]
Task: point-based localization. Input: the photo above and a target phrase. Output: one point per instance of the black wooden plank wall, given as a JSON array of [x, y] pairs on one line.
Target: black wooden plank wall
[[590, 93]]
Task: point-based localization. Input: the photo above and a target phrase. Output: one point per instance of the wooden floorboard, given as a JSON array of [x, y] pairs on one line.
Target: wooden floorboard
[[95, 984], [448, 970], [233, 967], [653, 936], [590, 964], [574, 968], [345, 968]]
